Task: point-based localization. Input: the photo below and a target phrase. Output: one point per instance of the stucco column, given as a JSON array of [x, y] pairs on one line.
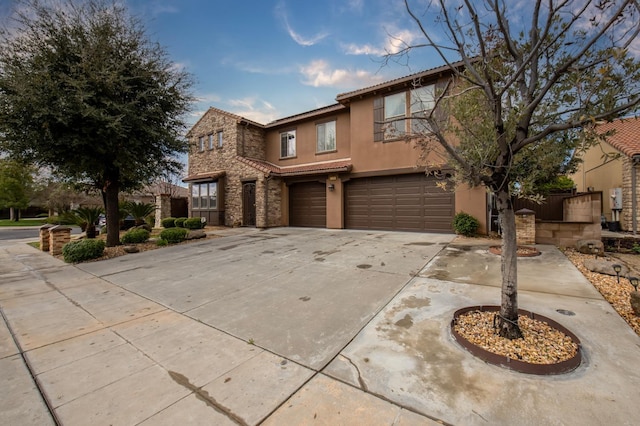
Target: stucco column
[[335, 200]]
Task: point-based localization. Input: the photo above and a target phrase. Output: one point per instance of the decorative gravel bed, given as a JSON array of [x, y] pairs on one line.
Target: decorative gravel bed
[[616, 294], [541, 343]]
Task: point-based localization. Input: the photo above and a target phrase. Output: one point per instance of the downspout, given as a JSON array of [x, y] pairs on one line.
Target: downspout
[[635, 160]]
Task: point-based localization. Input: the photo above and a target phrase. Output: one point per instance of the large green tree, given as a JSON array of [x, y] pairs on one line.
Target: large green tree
[[84, 91], [16, 186], [528, 78]]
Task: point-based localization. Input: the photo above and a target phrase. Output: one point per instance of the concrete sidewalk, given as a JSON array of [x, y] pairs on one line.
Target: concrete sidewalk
[[293, 326]]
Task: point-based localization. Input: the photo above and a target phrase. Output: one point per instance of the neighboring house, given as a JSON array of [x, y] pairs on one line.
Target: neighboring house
[[614, 164], [347, 165]]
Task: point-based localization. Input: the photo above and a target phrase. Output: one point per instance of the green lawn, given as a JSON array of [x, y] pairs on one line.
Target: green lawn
[[23, 222]]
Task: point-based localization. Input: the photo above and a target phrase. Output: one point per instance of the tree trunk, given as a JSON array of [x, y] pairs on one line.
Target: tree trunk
[[507, 321], [111, 192], [14, 214]]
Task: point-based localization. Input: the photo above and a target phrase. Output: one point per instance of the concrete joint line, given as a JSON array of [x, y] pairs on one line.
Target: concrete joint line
[[31, 371]]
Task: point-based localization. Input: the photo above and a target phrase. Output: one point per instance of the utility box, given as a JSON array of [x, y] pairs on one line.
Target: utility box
[[615, 195]]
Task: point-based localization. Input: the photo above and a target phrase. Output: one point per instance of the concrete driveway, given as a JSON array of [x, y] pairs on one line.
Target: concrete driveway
[[297, 292], [295, 326]]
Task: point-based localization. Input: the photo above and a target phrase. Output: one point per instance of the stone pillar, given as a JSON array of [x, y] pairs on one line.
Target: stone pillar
[[525, 227], [58, 237], [163, 208], [44, 236]]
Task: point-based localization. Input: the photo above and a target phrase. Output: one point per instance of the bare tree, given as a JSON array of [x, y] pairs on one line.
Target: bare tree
[[528, 78]]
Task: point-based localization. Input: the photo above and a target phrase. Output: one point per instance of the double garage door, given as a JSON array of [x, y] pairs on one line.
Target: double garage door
[[400, 203], [395, 203]]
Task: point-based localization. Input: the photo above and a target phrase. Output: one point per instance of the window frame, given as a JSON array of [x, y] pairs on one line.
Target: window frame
[[210, 141], [406, 124], [202, 194], [219, 139], [289, 153], [201, 143], [323, 124]]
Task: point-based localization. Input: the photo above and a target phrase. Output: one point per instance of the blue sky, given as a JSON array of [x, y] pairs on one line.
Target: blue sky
[[268, 59]]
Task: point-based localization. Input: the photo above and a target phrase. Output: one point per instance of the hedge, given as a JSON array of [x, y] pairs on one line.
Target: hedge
[[81, 250], [138, 235], [174, 235]]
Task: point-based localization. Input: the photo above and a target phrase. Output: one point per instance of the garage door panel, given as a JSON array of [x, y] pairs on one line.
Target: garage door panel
[[308, 204], [405, 203]]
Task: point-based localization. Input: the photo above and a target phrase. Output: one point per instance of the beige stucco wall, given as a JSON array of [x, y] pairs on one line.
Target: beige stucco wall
[[600, 175], [306, 141], [335, 203], [473, 201]]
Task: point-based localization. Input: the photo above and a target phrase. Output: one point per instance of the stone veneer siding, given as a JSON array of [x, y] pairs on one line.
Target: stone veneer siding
[[238, 139], [626, 217]]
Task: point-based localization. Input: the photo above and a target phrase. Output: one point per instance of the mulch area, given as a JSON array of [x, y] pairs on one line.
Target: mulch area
[[543, 344]]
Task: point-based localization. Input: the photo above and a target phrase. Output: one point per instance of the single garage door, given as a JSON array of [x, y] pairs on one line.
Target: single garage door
[[308, 204], [399, 203]]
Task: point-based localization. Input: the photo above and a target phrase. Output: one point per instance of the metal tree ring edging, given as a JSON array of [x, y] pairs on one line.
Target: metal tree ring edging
[[514, 364]]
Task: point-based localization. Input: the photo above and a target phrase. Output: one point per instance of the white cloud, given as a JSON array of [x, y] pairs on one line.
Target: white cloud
[[318, 73], [254, 109], [365, 49], [395, 41], [301, 40]]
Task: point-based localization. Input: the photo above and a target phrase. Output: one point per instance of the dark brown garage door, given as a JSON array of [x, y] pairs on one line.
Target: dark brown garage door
[[399, 203], [308, 204]]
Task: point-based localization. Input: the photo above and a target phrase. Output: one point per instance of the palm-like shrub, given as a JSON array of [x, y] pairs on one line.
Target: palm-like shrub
[[86, 218], [139, 211]]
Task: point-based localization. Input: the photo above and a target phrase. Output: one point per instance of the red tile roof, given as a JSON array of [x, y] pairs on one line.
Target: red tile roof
[[337, 166], [625, 135]]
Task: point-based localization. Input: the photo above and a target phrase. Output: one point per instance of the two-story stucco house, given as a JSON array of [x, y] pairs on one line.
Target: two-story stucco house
[[346, 165]]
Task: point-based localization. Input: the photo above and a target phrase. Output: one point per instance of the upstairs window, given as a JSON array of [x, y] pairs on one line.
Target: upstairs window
[[397, 114], [422, 102], [219, 138], [395, 107], [201, 144], [326, 137], [210, 140], [288, 144]]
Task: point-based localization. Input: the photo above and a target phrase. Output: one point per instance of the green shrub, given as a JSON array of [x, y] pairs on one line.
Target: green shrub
[[465, 224], [194, 223], [168, 222], [134, 236], [174, 235], [151, 221], [81, 250], [180, 222], [162, 243]]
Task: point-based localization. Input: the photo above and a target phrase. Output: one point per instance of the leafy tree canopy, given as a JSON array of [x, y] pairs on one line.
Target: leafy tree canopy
[[528, 79], [84, 91], [16, 184]]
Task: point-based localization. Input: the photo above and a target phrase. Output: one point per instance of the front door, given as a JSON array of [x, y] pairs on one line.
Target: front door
[[249, 204]]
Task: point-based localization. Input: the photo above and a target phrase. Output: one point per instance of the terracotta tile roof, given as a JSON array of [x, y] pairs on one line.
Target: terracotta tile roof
[[625, 136], [337, 166], [205, 176]]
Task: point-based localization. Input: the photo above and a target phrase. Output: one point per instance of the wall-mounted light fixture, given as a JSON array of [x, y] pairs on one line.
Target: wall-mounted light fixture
[[331, 187]]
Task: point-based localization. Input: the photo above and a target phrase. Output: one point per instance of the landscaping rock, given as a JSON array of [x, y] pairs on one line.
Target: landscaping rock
[[605, 267], [195, 234], [131, 249], [583, 246]]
